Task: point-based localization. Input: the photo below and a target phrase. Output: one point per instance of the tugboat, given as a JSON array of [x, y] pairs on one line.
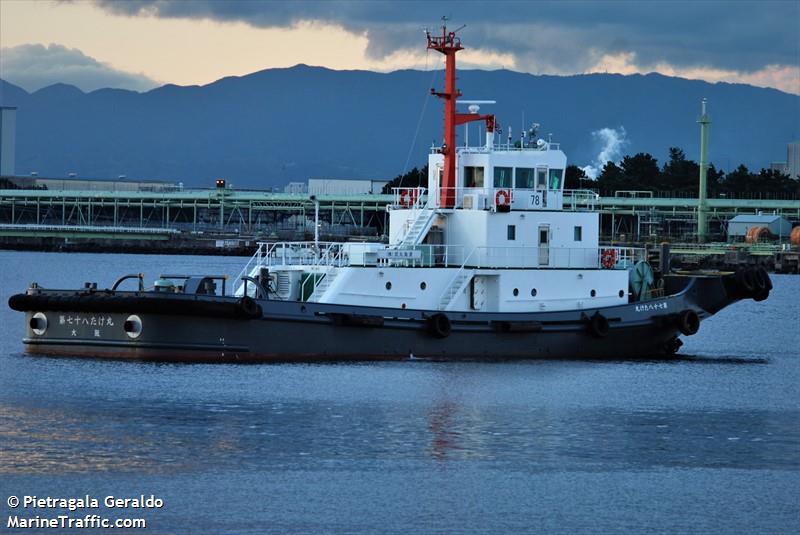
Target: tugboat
[[487, 262]]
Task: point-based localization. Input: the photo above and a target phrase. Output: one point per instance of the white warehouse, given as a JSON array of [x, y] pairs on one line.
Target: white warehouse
[[343, 186]]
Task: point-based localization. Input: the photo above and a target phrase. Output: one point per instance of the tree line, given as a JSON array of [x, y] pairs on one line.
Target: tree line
[[680, 175], [642, 172]]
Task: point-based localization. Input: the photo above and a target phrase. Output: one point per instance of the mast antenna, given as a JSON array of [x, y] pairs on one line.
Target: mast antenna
[[448, 44]]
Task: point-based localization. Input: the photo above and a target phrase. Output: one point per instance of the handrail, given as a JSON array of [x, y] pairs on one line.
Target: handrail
[[120, 280], [257, 284], [457, 274], [337, 254], [246, 269]]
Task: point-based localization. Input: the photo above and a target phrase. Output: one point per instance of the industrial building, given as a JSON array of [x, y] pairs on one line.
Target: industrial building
[[85, 184], [296, 188], [791, 166], [778, 226], [342, 186], [8, 140]]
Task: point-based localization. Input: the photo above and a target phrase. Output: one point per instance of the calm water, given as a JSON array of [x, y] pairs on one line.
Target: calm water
[[708, 443]]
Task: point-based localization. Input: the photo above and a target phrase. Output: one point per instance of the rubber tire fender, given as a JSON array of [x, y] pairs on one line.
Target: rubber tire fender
[[767, 281], [439, 325], [760, 296], [759, 279], [598, 325], [746, 280], [249, 307], [688, 322]]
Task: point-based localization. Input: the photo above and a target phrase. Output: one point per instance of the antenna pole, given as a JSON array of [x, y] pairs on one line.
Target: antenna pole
[[448, 44], [702, 203]]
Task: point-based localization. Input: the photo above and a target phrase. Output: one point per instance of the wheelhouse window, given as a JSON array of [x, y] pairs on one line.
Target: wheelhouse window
[[578, 234], [511, 233], [525, 178], [541, 178], [473, 177], [555, 178], [502, 177]]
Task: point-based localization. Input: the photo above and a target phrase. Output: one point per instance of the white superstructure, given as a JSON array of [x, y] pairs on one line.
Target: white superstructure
[[489, 233]]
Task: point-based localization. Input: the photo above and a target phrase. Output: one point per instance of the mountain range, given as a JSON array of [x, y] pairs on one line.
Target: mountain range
[[279, 125]]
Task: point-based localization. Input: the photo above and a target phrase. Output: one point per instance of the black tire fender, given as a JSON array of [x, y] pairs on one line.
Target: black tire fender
[[249, 307], [439, 325], [688, 322], [746, 280], [760, 279], [767, 281], [598, 325]]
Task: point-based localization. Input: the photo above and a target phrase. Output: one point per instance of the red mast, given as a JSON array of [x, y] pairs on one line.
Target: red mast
[[448, 44]]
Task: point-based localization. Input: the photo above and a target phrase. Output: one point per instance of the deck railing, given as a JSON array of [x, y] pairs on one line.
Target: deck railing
[[341, 254]]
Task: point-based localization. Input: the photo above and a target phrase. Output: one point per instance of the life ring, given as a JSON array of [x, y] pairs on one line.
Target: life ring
[[439, 325], [598, 325], [502, 198], [405, 198], [409, 197], [688, 322], [608, 258]]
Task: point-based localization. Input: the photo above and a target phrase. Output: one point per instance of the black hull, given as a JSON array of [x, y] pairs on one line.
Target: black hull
[[177, 327]]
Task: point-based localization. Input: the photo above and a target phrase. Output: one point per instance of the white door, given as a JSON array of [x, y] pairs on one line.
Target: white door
[[544, 245]]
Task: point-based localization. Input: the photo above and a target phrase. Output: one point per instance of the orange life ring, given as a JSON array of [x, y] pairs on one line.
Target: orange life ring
[[409, 197], [405, 198], [502, 197], [608, 258]]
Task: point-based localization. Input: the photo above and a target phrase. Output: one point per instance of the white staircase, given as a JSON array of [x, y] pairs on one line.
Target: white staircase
[[453, 289], [323, 285], [419, 227]]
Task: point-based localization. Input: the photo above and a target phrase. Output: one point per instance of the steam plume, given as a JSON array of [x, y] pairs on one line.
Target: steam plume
[[612, 141]]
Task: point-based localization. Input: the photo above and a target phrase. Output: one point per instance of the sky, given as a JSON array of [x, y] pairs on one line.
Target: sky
[[141, 44]]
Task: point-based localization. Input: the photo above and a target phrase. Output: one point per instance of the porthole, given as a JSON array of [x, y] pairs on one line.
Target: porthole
[[38, 323], [516, 292], [622, 293], [133, 326], [534, 292], [388, 285], [422, 285], [593, 293]]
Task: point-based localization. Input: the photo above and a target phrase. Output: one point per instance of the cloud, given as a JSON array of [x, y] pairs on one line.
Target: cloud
[[551, 37], [34, 66]]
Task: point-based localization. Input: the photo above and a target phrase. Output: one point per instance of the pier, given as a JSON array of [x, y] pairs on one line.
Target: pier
[[201, 220]]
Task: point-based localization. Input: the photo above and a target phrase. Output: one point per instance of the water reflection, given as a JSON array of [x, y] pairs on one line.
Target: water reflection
[[187, 438], [444, 435]]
